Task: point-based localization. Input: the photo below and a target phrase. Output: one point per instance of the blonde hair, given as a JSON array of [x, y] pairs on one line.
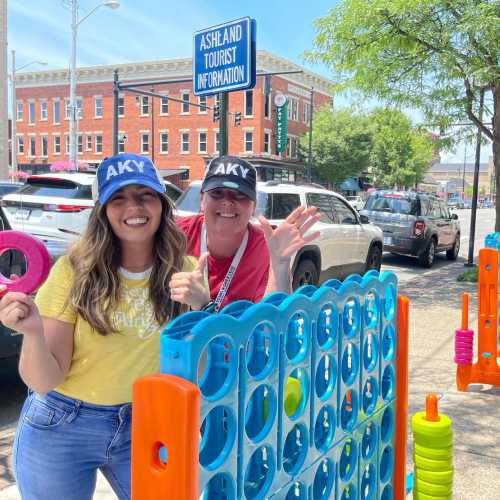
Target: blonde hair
[[95, 260]]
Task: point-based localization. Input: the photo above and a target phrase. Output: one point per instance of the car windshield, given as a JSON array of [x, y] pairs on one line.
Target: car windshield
[[393, 204], [189, 201], [59, 188]]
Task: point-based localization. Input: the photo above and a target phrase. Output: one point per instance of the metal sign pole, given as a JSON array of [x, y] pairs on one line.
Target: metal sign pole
[[116, 97], [223, 129]]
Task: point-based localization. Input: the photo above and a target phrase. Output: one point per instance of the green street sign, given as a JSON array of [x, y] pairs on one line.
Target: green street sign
[[280, 122]]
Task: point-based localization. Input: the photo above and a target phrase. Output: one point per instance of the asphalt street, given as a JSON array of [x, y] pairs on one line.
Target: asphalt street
[[434, 314]]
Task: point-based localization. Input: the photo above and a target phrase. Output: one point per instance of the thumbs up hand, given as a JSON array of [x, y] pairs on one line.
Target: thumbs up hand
[[190, 288]]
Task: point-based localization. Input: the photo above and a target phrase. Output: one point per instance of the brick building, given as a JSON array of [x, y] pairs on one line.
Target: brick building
[[180, 138]]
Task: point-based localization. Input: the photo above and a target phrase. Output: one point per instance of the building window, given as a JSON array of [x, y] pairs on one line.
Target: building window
[[121, 142], [291, 146], [267, 106], [293, 109], [202, 142], [248, 106], [185, 102], [121, 105], [88, 142], [217, 100], [32, 143], [267, 142], [79, 108], [185, 142], [217, 142], [80, 144], [98, 143], [56, 112], [144, 105], [19, 111], [56, 144], [306, 111], [67, 111], [98, 107], [145, 143], [20, 145], [66, 143], [164, 106], [202, 101], [43, 110], [163, 142], [44, 146], [248, 142], [31, 112]]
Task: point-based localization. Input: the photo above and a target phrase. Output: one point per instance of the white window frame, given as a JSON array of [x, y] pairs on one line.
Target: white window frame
[[67, 110], [268, 102], [44, 113], [267, 133], [31, 141], [204, 110], [98, 143], [121, 96], [66, 143], [54, 103], [306, 112], [182, 142], [216, 135], [20, 144], [98, 99], [245, 132], [31, 112], [161, 134], [144, 103], [247, 92], [184, 103], [56, 150], [143, 134], [201, 131], [19, 111], [88, 141], [79, 108], [163, 100], [79, 143], [44, 144]]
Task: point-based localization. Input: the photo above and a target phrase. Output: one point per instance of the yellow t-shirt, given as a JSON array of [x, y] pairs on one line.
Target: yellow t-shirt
[[103, 368]]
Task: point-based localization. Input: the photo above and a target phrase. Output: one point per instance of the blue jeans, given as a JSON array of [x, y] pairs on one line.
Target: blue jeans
[[61, 442]]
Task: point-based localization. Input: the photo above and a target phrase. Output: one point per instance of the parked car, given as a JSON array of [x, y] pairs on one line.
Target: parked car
[[56, 206], [417, 224], [347, 244], [7, 187], [356, 201]]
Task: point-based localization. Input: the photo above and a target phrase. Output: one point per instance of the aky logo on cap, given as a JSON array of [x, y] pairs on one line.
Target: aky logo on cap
[[228, 168]]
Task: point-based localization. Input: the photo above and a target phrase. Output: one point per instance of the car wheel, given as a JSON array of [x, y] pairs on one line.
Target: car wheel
[[426, 258], [374, 259], [305, 274], [452, 253]]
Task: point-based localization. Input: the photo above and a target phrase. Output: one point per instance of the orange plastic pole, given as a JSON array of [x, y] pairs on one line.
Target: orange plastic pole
[[431, 408], [465, 311], [399, 473], [165, 438]]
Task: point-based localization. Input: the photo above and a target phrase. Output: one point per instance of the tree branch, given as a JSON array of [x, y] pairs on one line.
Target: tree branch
[[470, 113]]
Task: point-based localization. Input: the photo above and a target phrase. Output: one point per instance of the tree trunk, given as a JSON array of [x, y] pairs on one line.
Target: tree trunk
[[496, 152]]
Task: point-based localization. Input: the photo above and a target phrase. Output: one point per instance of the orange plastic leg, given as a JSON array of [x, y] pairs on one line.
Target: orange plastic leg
[[399, 472], [165, 438]]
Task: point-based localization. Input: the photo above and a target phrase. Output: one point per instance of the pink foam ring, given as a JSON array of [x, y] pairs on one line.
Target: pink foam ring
[[37, 261], [463, 334], [462, 360]]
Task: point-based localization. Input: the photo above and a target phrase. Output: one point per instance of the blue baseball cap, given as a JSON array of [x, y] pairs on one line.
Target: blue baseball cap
[[122, 170]]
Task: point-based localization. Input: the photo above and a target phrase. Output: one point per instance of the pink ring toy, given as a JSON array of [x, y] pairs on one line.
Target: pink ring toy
[[37, 261]]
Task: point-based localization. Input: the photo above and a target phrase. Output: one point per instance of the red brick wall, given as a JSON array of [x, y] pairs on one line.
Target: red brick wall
[[132, 123]]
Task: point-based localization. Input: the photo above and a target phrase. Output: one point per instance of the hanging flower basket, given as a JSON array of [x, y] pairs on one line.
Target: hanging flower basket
[[66, 166], [19, 174]]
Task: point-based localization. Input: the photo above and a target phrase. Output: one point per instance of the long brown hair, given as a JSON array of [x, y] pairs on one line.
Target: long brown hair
[[95, 260]]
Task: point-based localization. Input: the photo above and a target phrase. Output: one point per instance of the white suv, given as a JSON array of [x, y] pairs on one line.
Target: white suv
[[347, 244]]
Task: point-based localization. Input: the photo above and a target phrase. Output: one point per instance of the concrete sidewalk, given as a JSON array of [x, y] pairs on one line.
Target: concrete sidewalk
[[434, 314]]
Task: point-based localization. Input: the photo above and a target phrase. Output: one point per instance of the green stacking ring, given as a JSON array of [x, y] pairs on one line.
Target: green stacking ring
[[433, 465], [421, 425], [423, 496], [433, 453], [430, 476], [443, 441], [433, 488]]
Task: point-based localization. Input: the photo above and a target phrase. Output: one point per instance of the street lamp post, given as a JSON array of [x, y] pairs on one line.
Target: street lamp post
[[13, 142], [75, 22]]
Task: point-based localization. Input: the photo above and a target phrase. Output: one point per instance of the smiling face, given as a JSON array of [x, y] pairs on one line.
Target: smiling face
[[134, 213], [227, 211]]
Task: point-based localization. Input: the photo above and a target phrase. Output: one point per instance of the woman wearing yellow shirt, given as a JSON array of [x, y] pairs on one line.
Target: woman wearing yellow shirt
[[93, 329]]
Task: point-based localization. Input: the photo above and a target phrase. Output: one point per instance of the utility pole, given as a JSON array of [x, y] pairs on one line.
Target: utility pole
[[4, 114], [309, 156], [224, 98]]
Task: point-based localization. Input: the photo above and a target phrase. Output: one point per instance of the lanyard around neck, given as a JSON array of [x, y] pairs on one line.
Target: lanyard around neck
[[232, 268]]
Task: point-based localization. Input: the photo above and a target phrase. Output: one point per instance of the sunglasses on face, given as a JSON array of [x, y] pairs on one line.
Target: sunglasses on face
[[230, 194]]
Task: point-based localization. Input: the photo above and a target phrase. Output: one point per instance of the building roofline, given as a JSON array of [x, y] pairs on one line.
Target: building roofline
[[168, 68]]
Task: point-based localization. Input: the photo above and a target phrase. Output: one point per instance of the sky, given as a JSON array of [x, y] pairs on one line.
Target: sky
[[39, 30]]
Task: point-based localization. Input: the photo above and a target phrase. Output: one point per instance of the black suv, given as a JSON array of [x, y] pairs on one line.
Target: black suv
[[414, 223]]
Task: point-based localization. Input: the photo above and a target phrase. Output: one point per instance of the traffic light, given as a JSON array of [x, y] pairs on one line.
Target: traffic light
[[237, 118], [216, 113]]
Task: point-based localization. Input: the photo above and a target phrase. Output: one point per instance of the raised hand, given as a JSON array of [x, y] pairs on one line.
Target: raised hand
[[19, 313], [190, 287], [289, 236]]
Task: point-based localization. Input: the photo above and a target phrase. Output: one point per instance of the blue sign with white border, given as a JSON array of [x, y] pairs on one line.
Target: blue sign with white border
[[224, 57]]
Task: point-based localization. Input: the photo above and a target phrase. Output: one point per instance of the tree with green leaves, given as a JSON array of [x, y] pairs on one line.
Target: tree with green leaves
[[340, 144], [438, 56], [400, 153]]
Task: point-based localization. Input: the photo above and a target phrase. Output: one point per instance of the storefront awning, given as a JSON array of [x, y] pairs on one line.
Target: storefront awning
[[350, 184]]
